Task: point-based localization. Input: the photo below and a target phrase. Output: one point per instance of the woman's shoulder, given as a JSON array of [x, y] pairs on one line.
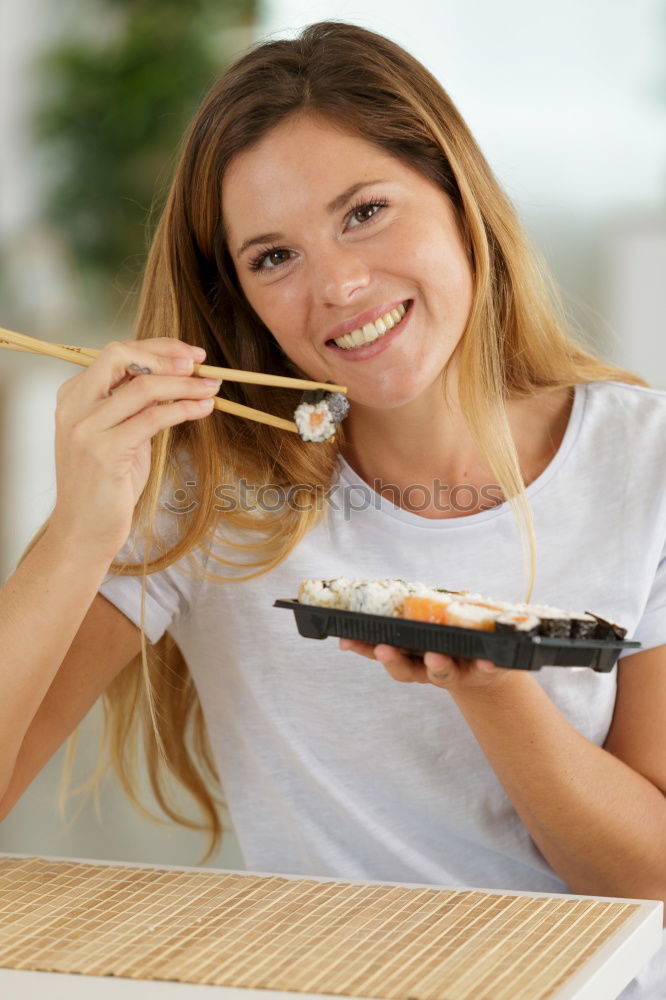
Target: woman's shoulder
[[633, 396], [623, 426], [624, 407]]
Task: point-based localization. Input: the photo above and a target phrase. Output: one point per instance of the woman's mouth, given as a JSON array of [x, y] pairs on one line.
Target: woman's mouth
[[363, 342]]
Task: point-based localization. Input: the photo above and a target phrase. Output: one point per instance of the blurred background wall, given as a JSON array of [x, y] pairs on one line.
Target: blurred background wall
[[568, 103]]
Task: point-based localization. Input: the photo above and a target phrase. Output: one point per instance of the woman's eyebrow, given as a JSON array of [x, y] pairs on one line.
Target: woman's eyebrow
[[343, 198], [338, 202]]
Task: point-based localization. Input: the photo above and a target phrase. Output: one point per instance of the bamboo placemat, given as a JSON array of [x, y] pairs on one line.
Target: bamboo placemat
[[296, 935]]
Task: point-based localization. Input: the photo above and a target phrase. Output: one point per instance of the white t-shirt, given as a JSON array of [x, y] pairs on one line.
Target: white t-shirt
[[329, 766]]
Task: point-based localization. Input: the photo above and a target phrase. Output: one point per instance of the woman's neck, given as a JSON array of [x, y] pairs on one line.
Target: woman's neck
[[422, 456]]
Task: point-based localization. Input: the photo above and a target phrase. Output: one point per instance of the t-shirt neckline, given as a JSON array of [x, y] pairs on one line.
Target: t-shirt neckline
[[384, 506]]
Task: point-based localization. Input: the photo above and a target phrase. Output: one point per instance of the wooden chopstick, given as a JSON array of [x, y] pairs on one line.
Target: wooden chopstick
[[228, 374], [19, 341], [237, 375], [85, 356], [211, 371]]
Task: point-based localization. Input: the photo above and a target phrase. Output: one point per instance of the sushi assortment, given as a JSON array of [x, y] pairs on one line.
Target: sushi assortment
[[319, 413], [411, 615], [459, 608]]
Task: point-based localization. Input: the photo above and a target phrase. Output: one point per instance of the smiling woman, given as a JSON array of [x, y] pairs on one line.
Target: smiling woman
[[332, 216]]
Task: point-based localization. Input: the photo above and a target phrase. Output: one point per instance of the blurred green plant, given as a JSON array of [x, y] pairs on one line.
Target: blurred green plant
[[119, 93]]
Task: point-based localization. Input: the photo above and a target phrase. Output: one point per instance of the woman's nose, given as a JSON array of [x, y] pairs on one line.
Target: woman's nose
[[338, 273]]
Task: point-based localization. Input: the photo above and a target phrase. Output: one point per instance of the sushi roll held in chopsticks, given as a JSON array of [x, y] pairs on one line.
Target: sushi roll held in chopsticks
[[319, 413]]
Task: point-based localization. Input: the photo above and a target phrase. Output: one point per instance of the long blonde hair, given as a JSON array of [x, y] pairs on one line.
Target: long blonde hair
[[517, 342]]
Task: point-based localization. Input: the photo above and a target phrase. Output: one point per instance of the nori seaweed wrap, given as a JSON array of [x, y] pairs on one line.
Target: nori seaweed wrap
[[583, 626], [554, 627], [606, 629]]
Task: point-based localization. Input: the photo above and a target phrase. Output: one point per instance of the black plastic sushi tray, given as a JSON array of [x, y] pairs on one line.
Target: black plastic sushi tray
[[520, 652]]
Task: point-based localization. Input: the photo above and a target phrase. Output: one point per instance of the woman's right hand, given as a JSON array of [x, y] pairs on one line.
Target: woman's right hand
[[104, 425]]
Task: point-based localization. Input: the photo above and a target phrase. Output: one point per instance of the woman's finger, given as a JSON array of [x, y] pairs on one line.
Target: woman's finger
[[400, 665], [441, 670], [143, 392], [143, 426], [445, 671], [366, 649], [435, 668], [121, 360]]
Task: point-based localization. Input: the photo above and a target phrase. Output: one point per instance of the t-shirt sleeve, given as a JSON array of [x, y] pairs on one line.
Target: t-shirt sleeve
[[167, 596], [651, 628], [169, 593]]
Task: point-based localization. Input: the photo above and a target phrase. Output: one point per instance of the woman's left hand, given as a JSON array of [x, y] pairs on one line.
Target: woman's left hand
[[435, 668]]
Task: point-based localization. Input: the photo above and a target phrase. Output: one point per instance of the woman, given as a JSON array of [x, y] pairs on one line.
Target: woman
[[324, 183]]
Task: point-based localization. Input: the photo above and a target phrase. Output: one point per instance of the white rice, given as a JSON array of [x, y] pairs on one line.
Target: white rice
[[376, 597], [470, 615], [303, 419], [519, 620]]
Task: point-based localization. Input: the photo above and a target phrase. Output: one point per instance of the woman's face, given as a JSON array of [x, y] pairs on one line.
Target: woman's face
[[328, 234]]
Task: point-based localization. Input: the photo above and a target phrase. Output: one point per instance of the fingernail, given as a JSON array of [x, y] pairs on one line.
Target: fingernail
[[212, 381], [183, 364], [199, 353]]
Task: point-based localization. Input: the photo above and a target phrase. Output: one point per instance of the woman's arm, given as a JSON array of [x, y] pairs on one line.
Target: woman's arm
[[598, 815], [42, 606], [598, 820]]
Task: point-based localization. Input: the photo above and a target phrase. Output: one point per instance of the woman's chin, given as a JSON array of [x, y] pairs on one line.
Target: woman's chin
[[383, 399]]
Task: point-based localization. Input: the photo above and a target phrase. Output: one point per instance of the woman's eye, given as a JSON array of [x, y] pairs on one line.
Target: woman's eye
[[269, 260], [363, 213]]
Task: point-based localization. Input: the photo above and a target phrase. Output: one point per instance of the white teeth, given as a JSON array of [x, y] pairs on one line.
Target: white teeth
[[371, 331]]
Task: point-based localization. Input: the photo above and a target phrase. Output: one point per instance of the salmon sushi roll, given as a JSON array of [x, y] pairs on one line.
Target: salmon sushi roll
[[319, 413], [446, 608], [464, 615], [430, 609]]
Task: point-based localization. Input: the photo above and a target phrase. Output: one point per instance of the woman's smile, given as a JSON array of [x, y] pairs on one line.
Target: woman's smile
[[366, 341]]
